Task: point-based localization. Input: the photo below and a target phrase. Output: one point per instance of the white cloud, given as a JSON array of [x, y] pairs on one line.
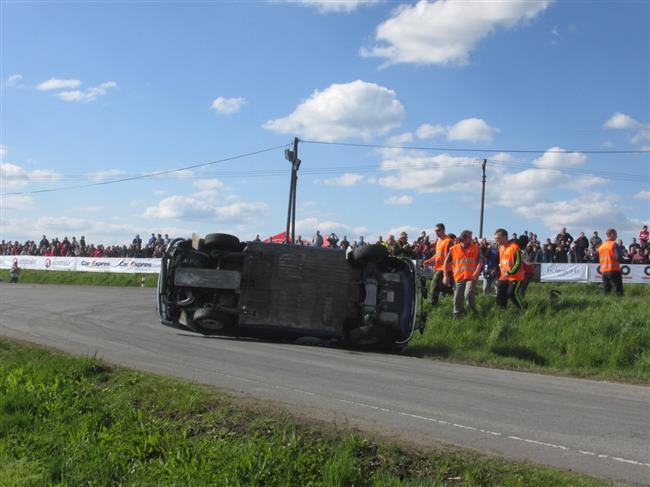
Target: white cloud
[[558, 158], [16, 202], [44, 175], [342, 111], [443, 173], [445, 32], [58, 84], [400, 139], [14, 176], [209, 184], [187, 207], [620, 121], [472, 130], [91, 94], [8, 170], [642, 195], [593, 211], [307, 228], [326, 6], [14, 80], [430, 174], [399, 200], [469, 129], [347, 179], [228, 106], [102, 175], [428, 131]]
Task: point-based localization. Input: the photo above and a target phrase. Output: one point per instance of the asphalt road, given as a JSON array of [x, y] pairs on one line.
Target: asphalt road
[[596, 428]]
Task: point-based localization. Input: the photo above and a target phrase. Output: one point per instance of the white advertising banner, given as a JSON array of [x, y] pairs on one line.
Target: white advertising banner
[[83, 264], [632, 273], [564, 273]]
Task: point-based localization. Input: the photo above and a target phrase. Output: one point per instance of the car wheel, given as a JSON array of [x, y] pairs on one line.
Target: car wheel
[[211, 321], [369, 252], [221, 241], [367, 335]]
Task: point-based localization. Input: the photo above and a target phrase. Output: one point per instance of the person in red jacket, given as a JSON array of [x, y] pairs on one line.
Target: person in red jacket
[[512, 272], [643, 236]]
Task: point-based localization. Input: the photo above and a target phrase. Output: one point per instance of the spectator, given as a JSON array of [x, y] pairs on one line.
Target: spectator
[[15, 271], [643, 236], [523, 240], [361, 242], [344, 243], [490, 266], [317, 241], [391, 244], [404, 249], [581, 246], [333, 241], [595, 241], [564, 237]]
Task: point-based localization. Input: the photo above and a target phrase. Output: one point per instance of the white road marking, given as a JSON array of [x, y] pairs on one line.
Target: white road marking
[[434, 420], [470, 428]]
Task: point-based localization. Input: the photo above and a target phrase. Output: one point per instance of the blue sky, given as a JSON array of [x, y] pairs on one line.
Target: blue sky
[[96, 91]]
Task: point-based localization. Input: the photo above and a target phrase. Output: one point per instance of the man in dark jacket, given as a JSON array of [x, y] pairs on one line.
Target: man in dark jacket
[[582, 244]]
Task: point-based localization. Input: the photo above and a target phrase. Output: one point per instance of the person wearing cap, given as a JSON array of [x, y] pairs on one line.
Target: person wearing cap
[[465, 261], [403, 246], [610, 255]]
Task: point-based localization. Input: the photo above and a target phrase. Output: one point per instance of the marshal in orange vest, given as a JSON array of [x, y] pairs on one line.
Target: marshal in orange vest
[[608, 260], [510, 260], [464, 261]]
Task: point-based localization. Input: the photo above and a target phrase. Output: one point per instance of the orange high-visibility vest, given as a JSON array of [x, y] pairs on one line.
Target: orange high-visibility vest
[[507, 259], [464, 261], [608, 261], [442, 249]]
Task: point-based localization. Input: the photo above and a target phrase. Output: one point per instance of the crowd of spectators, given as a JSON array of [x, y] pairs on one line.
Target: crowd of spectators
[[153, 247], [562, 249]]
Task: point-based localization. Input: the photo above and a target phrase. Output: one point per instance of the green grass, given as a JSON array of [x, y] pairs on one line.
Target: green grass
[[581, 333], [82, 278], [69, 421]]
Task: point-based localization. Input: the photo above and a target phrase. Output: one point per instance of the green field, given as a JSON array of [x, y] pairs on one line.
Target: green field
[[82, 278], [76, 421], [581, 333]]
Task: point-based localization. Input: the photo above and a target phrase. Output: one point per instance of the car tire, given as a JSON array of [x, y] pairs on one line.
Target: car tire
[[211, 321], [368, 335], [369, 252], [221, 241]]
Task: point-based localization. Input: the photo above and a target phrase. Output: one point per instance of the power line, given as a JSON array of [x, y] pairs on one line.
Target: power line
[[450, 149], [369, 169], [149, 175]]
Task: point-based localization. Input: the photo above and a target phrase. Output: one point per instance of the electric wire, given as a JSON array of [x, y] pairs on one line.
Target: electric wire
[[452, 149], [149, 175]]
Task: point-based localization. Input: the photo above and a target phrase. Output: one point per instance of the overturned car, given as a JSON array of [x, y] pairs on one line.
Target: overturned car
[[221, 286]]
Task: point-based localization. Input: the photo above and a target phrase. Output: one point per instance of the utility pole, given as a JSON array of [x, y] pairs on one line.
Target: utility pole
[[292, 157], [483, 179]]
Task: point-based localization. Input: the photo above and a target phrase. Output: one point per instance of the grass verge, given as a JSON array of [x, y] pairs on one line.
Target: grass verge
[[76, 421], [28, 276], [580, 333]]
